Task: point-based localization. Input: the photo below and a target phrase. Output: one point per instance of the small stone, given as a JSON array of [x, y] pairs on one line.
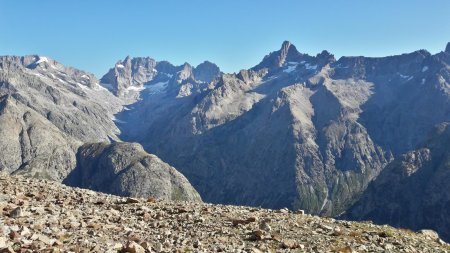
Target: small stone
[[441, 242], [132, 201], [291, 244], [7, 250], [147, 246], [301, 212], [264, 225], [13, 235], [255, 250], [151, 200], [277, 237], [2, 242], [433, 235], [325, 227], [25, 231], [252, 219], [117, 246], [133, 247], [258, 235], [16, 212], [197, 244], [45, 239]]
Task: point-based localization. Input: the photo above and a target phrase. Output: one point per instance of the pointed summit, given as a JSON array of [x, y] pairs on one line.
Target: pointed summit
[[447, 49], [287, 49], [286, 44], [287, 52]]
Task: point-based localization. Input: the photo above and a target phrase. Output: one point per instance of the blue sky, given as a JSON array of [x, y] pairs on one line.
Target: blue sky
[[235, 34]]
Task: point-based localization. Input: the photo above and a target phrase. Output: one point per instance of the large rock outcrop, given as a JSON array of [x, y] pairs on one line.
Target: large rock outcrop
[[125, 169]]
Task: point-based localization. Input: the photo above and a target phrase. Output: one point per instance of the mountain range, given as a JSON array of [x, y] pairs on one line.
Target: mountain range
[[353, 137]]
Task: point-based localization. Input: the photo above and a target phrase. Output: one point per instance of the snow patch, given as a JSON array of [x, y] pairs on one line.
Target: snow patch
[[408, 78], [62, 81], [156, 88], [38, 74], [42, 59], [107, 86], [423, 81], [424, 68], [85, 77], [310, 67], [84, 87], [118, 120], [291, 67], [120, 66], [339, 66], [134, 88], [99, 87]]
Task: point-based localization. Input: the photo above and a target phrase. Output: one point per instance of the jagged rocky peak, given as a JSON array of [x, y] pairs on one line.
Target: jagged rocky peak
[[49, 69], [185, 72], [325, 57], [447, 49], [288, 52], [129, 75], [249, 76], [206, 71], [28, 61], [166, 67]]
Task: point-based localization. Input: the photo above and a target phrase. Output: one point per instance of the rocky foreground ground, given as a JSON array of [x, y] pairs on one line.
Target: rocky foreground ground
[[43, 216]]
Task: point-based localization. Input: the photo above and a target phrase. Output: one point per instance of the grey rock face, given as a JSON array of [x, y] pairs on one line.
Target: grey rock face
[[30, 145], [126, 169], [47, 111], [298, 131], [447, 49], [70, 99], [206, 72], [129, 74], [413, 190]]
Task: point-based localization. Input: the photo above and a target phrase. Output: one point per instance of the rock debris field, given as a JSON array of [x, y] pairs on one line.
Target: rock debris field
[[45, 216]]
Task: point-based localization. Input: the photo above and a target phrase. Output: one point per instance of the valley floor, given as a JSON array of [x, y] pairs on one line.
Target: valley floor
[[43, 216]]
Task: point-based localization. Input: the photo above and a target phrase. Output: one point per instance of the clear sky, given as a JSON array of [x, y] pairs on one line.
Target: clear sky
[[234, 34]]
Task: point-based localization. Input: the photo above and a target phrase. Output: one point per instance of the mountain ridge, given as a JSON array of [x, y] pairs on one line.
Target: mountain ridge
[[297, 131], [349, 81]]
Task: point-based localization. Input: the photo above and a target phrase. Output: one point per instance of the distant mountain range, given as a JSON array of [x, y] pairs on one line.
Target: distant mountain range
[[297, 131]]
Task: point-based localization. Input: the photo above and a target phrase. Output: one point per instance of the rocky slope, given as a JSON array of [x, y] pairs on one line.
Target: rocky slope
[[297, 131], [43, 216], [413, 190], [48, 110], [125, 169]]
